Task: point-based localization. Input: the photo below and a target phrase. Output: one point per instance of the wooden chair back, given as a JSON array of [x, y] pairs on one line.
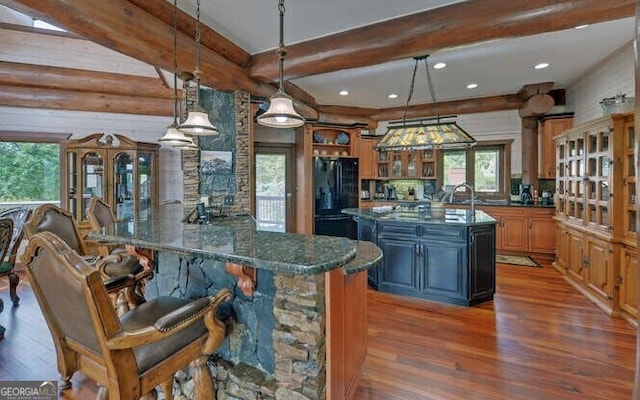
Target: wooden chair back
[[99, 213], [6, 235], [19, 216], [6, 232], [51, 218], [127, 356]]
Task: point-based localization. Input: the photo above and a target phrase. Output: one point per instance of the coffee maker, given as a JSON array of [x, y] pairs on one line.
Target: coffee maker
[[525, 194]]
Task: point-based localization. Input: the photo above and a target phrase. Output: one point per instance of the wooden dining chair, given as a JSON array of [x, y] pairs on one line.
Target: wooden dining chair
[[100, 215], [6, 232], [19, 216], [51, 218], [128, 355]]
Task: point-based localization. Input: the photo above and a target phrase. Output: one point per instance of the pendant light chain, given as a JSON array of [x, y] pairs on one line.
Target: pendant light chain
[[197, 72], [175, 62], [282, 52], [281, 113], [429, 81], [413, 83]]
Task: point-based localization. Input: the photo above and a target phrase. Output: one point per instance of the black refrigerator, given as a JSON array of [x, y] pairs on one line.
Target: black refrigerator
[[335, 182]]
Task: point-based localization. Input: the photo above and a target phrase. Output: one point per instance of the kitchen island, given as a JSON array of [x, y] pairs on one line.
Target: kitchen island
[[449, 259], [297, 322]]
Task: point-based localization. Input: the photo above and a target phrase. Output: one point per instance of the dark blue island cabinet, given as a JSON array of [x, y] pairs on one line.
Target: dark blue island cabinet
[[434, 259]]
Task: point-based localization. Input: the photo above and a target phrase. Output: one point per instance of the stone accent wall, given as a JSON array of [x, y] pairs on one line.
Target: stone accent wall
[[242, 153], [299, 345], [299, 309], [241, 186], [299, 337], [191, 177]]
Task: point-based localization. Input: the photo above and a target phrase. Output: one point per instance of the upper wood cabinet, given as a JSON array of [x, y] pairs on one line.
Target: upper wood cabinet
[[367, 157], [590, 161], [122, 172], [420, 164], [549, 128], [335, 142]]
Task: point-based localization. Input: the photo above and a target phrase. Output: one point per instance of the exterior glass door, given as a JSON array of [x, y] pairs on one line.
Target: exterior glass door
[[274, 209]]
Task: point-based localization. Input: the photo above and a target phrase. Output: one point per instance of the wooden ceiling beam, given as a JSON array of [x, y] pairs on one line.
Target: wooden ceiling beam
[[59, 99], [468, 106], [43, 76], [163, 10], [459, 24], [122, 26]]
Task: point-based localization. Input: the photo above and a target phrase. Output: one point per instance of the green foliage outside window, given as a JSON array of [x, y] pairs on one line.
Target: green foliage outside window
[[29, 172], [486, 170]]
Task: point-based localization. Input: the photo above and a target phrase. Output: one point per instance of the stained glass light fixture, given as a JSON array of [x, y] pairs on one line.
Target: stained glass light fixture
[[439, 132]]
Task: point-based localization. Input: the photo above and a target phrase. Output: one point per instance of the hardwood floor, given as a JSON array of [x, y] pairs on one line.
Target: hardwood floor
[[539, 339]]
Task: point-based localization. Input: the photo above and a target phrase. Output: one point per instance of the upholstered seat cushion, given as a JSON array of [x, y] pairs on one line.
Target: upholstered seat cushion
[[5, 266], [128, 265], [146, 315]]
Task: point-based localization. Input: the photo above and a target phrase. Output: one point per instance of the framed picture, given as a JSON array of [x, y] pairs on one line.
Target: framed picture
[[216, 162]]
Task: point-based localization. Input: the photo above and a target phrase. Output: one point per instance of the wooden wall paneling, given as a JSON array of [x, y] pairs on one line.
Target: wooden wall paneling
[[530, 151], [73, 79], [16, 96], [304, 181], [40, 47]]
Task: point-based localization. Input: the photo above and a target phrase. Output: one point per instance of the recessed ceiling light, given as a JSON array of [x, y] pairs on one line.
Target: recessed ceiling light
[[472, 86], [439, 65], [581, 26], [392, 96], [344, 92], [542, 65]]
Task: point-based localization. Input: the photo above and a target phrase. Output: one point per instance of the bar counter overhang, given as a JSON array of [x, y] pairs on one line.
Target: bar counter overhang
[[296, 325]]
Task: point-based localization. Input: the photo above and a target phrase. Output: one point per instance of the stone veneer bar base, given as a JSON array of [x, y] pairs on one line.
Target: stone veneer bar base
[[299, 344]]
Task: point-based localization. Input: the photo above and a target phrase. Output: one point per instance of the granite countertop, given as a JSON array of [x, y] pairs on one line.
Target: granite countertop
[[454, 217], [237, 239], [479, 203]]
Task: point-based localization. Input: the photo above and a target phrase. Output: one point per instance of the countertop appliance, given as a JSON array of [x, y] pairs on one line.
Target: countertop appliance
[[525, 194], [335, 182], [391, 192]]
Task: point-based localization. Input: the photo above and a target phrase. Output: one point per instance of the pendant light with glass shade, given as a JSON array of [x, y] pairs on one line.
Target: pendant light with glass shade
[[281, 113], [173, 136], [197, 122]]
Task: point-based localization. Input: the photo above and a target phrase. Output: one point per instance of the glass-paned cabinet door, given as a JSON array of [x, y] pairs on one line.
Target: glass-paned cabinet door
[[629, 183], [72, 182], [396, 164], [123, 185], [412, 164], [92, 179], [145, 185], [383, 164]]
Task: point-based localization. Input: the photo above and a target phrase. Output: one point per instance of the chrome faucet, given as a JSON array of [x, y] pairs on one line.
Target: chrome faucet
[[473, 196]]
